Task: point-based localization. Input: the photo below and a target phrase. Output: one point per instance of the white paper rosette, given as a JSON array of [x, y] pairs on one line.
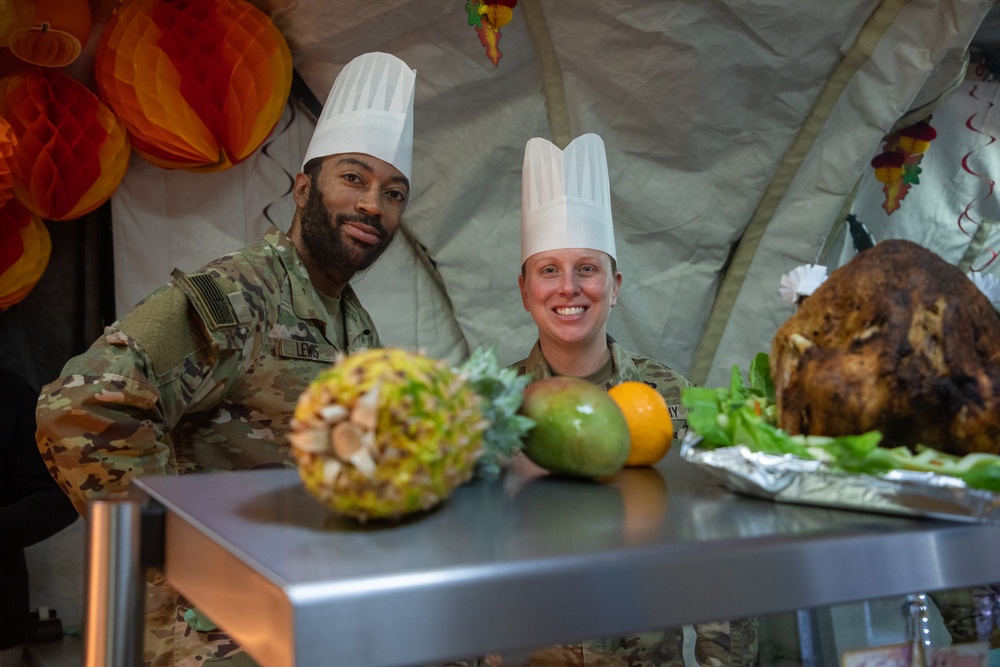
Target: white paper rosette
[[801, 282]]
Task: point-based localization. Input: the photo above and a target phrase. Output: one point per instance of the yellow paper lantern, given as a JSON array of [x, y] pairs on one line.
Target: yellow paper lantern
[[8, 165], [25, 248], [199, 84], [71, 151]]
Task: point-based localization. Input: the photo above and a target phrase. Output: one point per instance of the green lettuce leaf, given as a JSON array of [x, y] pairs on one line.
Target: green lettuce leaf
[[745, 413]]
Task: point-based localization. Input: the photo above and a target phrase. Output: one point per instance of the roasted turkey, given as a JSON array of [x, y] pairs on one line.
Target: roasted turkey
[[896, 340]]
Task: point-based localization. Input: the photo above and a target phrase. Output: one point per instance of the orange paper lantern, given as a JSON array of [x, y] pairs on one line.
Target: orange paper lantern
[[25, 248], [8, 165], [199, 84], [50, 33], [71, 152]]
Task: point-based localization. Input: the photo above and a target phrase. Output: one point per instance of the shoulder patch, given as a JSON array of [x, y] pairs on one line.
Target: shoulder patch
[[213, 305], [162, 327]]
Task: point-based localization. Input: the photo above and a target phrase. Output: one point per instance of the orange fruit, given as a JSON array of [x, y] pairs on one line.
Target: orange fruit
[[648, 420]]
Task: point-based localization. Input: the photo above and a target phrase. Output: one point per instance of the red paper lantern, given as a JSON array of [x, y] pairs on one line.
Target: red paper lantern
[[25, 248], [72, 151], [8, 165], [916, 138], [497, 12], [199, 84], [888, 166]]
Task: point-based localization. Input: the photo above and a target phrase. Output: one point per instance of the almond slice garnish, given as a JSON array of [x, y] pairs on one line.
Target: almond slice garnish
[[333, 413], [363, 461], [365, 411], [311, 440], [346, 439]]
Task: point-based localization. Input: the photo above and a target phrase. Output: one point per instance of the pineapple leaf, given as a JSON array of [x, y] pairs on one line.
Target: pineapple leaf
[[502, 390]]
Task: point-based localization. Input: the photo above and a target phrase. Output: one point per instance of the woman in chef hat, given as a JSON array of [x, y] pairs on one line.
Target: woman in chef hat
[[569, 283], [569, 272]]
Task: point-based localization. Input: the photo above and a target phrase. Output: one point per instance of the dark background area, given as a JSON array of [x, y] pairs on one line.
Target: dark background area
[[69, 307]]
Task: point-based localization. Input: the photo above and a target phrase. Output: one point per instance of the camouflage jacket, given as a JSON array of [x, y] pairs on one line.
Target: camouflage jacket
[[627, 367], [202, 375]]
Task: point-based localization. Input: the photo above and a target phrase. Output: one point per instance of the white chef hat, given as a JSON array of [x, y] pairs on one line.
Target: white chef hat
[[369, 110], [566, 197]]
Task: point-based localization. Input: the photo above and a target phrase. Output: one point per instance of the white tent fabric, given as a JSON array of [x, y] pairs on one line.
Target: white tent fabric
[[735, 133], [954, 208]]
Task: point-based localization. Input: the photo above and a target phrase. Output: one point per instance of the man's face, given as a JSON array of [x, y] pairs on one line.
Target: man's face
[[569, 293], [352, 212]]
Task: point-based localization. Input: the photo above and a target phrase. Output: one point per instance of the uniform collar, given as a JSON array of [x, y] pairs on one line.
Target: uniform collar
[[536, 366], [306, 301]]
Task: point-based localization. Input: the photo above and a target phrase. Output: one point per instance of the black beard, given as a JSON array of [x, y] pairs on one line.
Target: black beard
[[339, 257]]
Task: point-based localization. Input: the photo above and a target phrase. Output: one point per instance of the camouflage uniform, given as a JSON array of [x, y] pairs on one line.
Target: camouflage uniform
[[715, 644], [202, 375]]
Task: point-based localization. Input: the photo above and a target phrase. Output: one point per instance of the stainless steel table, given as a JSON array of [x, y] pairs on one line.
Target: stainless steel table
[[527, 560]]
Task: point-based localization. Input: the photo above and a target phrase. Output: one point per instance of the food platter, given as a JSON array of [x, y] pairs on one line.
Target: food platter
[[790, 479]]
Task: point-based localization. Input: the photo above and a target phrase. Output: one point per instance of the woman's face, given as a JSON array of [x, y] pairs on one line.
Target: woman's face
[[569, 293]]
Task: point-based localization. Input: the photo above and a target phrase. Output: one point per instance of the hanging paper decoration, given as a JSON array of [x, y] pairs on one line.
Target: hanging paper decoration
[[199, 84], [8, 164], [25, 248], [487, 17], [50, 33], [888, 166], [897, 167], [71, 151]]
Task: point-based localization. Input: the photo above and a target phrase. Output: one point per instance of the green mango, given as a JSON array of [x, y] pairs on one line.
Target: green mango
[[579, 429]]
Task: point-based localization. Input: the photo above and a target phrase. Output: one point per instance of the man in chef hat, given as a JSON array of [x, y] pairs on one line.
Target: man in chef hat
[[204, 374], [569, 282], [358, 164]]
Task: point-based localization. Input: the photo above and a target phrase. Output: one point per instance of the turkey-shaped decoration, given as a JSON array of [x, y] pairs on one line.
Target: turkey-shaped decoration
[[48, 33], [199, 84], [25, 247], [897, 167], [487, 17], [71, 151]]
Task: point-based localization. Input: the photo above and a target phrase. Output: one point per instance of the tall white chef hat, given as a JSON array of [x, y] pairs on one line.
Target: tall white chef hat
[[369, 110], [566, 197]]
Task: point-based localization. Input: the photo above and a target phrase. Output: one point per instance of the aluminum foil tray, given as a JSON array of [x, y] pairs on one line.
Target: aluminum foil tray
[[790, 479]]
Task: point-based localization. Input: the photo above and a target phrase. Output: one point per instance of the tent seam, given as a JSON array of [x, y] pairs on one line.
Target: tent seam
[[732, 282], [551, 73]]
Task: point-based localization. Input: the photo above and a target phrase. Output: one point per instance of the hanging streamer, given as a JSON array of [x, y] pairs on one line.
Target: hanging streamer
[[966, 216]]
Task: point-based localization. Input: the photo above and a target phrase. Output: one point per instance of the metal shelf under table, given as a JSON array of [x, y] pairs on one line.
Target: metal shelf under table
[[525, 560]]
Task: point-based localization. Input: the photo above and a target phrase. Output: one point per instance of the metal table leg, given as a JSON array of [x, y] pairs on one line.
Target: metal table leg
[[114, 584]]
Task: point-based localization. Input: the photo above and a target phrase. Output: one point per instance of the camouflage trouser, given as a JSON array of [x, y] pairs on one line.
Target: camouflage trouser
[[723, 644], [171, 642], [971, 614]]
